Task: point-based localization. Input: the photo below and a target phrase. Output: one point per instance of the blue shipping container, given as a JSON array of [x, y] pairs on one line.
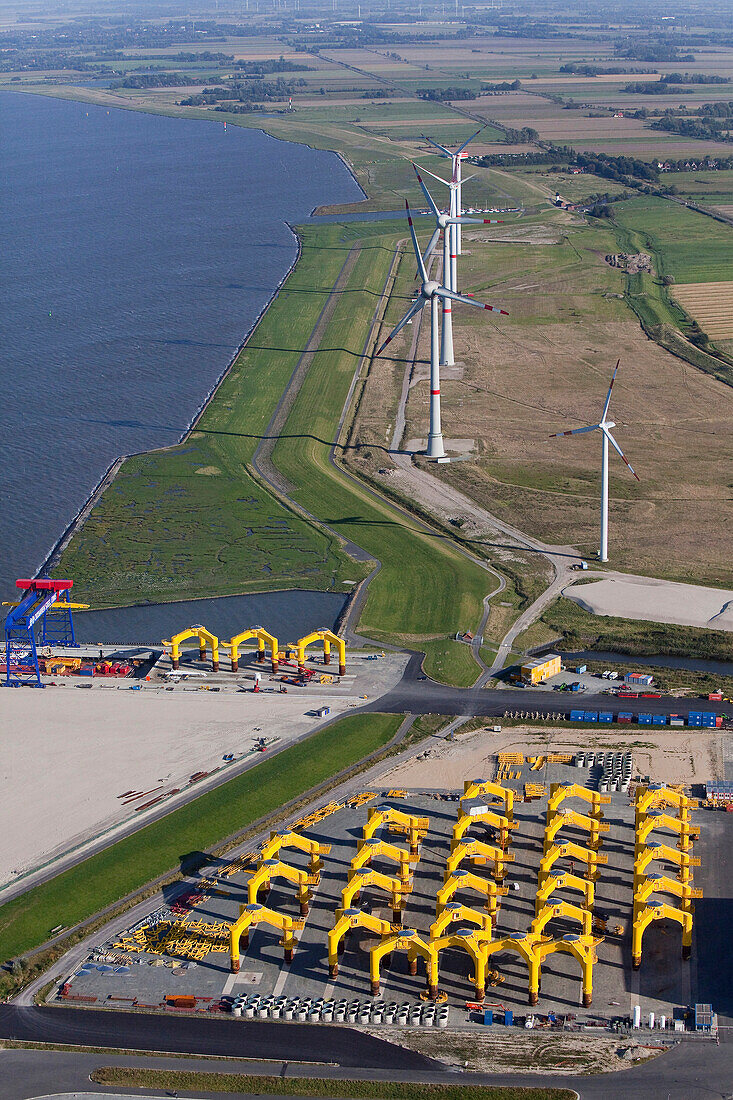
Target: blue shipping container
[[605, 716], [508, 1017], [694, 720], [576, 715], [645, 719], [659, 719], [590, 715], [488, 1015], [709, 723]]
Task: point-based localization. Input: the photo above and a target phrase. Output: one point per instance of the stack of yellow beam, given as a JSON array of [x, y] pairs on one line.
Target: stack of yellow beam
[[194, 940]]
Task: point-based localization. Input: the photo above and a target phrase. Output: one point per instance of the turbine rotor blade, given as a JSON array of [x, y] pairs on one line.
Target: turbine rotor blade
[[425, 191], [443, 292], [576, 431], [464, 220], [440, 179], [412, 311], [616, 447], [431, 245], [415, 245], [608, 395], [442, 148], [480, 130]]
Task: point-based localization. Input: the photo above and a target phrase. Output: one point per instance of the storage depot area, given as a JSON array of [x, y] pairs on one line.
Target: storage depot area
[[179, 956]]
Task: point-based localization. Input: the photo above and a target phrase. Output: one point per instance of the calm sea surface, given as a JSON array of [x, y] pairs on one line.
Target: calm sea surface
[[135, 254]]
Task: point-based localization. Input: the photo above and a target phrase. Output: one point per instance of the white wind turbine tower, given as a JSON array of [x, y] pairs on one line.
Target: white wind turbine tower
[[456, 159], [443, 222], [451, 277], [604, 427], [432, 292]]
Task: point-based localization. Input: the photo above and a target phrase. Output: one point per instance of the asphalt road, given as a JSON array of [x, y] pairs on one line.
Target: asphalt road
[[191, 1035], [414, 696], [691, 1071]]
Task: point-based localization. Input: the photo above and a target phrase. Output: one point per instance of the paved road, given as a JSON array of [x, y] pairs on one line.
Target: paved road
[[192, 1035], [415, 696], [690, 1071]]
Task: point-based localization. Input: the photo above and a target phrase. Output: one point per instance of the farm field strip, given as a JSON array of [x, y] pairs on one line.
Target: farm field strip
[[710, 304]]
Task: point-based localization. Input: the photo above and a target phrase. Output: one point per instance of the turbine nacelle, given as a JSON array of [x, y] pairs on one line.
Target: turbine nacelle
[[430, 289]]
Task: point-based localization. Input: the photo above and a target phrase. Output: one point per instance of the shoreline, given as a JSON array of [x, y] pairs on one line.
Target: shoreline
[[108, 477], [77, 522]]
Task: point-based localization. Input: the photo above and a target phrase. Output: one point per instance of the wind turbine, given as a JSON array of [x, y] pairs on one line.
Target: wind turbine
[[604, 427], [442, 222], [432, 292], [456, 159], [451, 278]]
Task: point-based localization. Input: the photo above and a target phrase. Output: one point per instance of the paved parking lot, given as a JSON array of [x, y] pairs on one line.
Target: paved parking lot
[[664, 982]]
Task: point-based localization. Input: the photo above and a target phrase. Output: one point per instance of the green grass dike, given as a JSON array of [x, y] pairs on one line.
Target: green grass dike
[[241, 1083], [195, 520], [106, 878]]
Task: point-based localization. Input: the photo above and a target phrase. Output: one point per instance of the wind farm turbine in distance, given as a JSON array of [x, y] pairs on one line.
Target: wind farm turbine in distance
[[444, 222], [450, 274], [604, 427], [456, 194], [432, 291]]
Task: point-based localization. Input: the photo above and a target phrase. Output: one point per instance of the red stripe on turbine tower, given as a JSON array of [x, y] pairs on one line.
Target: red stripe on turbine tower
[[435, 393]]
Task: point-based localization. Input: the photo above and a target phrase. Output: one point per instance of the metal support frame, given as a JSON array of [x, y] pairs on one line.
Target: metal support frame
[[58, 624]]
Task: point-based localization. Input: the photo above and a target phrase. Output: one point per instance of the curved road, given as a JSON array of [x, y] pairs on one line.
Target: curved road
[[693, 1070]]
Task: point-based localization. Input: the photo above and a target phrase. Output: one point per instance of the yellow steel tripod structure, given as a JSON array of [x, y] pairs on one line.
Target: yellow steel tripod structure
[[258, 914], [478, 852], [350, 919]]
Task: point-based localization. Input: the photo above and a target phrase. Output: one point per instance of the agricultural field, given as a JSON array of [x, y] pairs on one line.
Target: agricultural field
[[690, 247], [713, 189], [592, 130], [546, 368], [711, 305]]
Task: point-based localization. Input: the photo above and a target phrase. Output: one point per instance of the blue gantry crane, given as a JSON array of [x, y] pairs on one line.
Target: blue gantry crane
[[44, 601]]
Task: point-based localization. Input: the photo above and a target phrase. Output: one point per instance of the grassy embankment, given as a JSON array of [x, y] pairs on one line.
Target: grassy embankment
[[426, 587], [691, 248], [580, 630], [132, 1077], [192, 520], [196, 541], [161, 847]]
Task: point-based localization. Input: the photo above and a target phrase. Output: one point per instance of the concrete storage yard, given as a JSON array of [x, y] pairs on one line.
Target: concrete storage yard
[[97, 744], [116, 976]]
